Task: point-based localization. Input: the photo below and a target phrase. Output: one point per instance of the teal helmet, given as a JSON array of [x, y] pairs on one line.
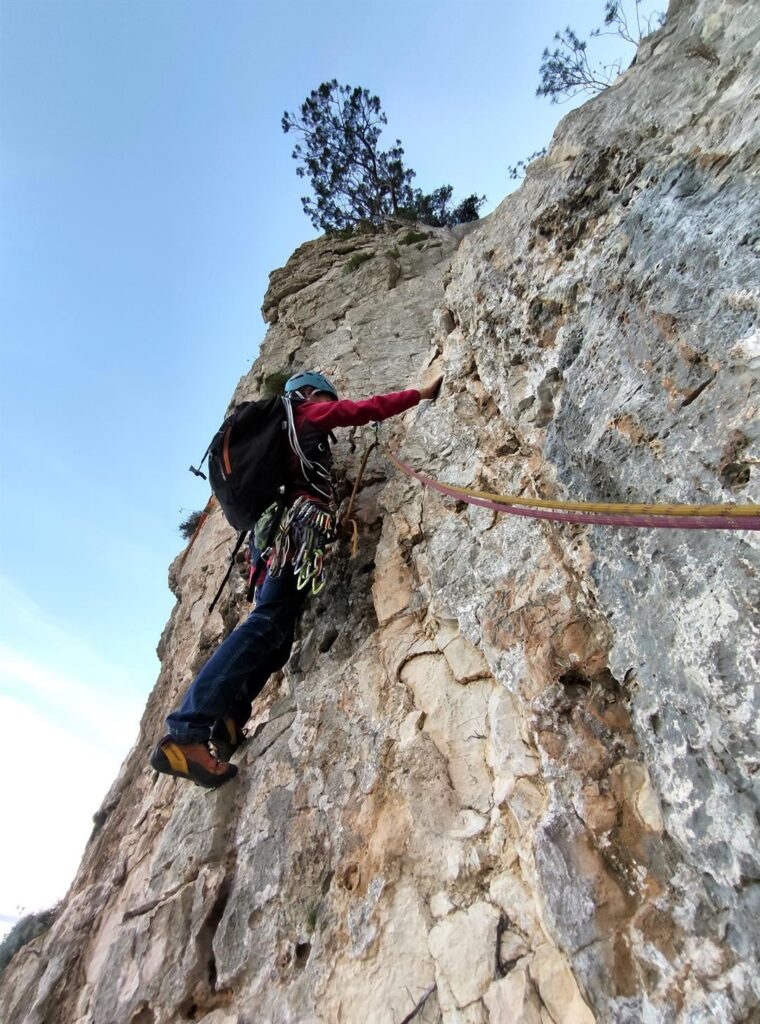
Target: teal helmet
[[309, 379]]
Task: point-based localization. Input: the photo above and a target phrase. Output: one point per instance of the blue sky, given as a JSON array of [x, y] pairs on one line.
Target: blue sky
[[146, 192]]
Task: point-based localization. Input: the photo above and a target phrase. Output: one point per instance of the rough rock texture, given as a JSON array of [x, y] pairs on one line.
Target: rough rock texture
[[511, 768]]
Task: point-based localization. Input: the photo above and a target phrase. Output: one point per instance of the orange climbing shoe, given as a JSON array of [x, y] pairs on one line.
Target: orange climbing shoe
[[191, 761], [226, 737]]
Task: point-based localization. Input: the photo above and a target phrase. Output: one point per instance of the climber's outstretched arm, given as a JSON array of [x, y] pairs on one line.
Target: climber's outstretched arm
[[345, 413]]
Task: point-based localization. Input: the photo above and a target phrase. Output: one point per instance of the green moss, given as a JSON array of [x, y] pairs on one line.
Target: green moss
[[311, 918], [394, 254], [411, 237], [273, 384], [356, 261]]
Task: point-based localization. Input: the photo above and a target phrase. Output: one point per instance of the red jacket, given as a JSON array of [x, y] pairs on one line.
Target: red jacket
[[314, 420], [345, 413]]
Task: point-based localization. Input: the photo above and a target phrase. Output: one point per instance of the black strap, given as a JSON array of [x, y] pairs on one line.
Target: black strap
[[238, 545], [197, 471]]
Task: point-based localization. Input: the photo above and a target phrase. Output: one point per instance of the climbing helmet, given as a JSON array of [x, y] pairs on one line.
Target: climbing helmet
[[310, 379]]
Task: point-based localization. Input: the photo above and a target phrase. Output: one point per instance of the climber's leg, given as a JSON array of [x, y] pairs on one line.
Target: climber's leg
[[227, 733], [242, 663]]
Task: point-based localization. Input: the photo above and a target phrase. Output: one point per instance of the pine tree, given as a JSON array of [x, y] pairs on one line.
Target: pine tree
[[353, 181]]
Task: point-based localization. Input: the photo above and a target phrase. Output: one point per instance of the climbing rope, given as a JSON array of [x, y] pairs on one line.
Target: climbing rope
[[683, 517], [347, 520]]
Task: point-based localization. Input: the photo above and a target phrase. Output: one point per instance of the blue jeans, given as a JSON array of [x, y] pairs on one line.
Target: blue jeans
[[236, 672]]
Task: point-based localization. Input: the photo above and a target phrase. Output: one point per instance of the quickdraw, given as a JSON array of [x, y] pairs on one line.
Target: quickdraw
[[302, 538]]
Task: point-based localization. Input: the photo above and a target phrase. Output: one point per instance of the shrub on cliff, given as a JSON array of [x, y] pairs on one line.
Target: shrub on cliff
[[436, 209], [28, 928], [189, 525], [352, 179], [566, 70]]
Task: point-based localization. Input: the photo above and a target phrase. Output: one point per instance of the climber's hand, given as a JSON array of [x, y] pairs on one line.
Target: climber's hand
[[430, 392]]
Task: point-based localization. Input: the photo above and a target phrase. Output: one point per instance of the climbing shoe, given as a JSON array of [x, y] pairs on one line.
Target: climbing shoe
[[191, 761], [226, 737]]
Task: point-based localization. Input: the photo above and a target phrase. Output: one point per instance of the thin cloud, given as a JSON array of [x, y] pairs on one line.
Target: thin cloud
[[44, 666], [26, 628], [51, 811], [70, 718], [104, 712]]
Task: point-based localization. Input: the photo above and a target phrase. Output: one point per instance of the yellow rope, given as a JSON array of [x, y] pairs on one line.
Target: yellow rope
[[589, 506]]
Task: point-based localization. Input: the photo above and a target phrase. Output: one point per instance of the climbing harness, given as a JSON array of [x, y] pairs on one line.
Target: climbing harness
[[302, 538], [684, 517]]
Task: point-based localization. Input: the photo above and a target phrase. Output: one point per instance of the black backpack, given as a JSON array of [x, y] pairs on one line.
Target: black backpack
[[247, 464], [248, 460]]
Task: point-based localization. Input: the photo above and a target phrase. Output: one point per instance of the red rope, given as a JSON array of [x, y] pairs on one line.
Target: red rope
[[593, 518]]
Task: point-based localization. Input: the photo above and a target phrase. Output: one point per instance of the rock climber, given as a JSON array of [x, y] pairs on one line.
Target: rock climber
[[218, 704]]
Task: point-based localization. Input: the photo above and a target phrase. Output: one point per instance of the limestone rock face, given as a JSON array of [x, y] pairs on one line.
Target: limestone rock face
[[510, 773]]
